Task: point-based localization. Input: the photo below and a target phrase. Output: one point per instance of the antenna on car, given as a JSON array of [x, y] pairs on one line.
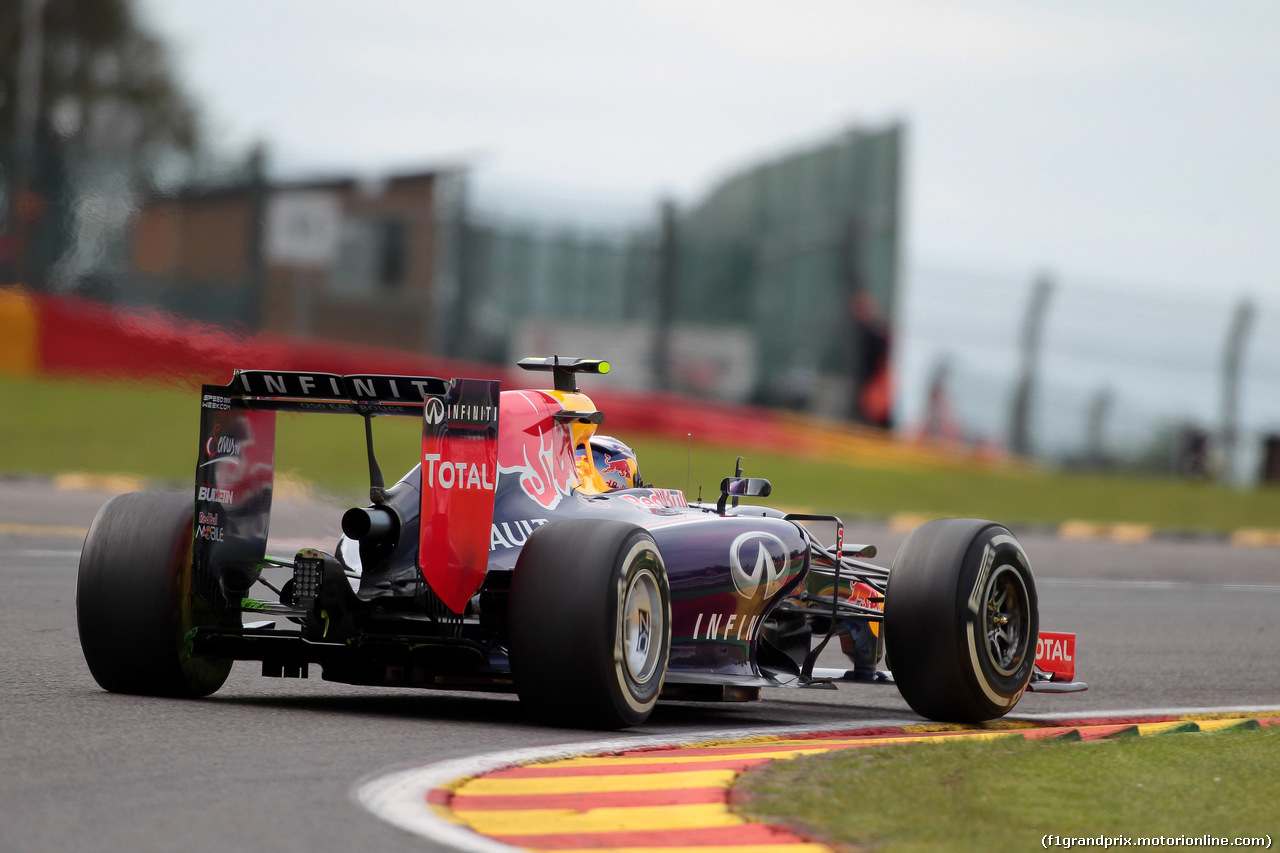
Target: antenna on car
[[688, 471], [737, 472]]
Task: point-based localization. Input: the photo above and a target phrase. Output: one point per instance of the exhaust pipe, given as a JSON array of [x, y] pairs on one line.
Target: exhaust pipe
[[374, 522]]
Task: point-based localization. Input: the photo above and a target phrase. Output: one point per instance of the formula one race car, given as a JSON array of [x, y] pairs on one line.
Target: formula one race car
[[525, 553]]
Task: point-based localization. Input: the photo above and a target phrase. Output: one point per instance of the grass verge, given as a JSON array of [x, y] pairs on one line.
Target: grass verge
[[963, 795], [50, 427], [56, 426], [1007, 495]]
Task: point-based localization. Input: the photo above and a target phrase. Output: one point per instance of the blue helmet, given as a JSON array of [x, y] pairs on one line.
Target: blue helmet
[[616, 462]]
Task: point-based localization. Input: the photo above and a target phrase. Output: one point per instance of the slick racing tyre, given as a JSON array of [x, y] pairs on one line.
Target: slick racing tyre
[[135, 603], [961, 620], [590, 616]]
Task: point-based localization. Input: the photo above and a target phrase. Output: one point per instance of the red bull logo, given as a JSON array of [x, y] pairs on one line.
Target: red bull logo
[[658, 500], [535, 448], [864, 595], [617, 466], [860, 594]]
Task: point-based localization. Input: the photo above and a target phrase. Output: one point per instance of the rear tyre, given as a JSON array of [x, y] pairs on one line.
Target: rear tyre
[[135, 603], [590, 616], [961, 620]]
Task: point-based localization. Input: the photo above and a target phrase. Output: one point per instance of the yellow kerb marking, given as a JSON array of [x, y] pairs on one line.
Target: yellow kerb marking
[[448, 814], [735, 755], [569, 821], [1255, 537], [755, 739], [593, 784], [1219, 725], [42, 530], [1077, 530], [1233, 715], [905, 522], [712, 815], [717, 848], [287, 486], [76, 481], [993, 725], [958, 736], [1163, 728], [1131, 533]]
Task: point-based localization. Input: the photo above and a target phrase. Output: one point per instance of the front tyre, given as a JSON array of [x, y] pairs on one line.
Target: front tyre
[[590, 616], [135, 603], [961, 620]]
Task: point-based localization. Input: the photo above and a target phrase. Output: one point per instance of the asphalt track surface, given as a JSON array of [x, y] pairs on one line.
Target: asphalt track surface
[[270, 764]]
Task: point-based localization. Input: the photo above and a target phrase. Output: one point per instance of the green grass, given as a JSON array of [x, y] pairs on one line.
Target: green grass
[[1007, 495], [966, 795], [50, 427]]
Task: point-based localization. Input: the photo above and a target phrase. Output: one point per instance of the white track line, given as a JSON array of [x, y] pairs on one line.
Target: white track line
[[399, 796], [1153, 712], [1180, 586]]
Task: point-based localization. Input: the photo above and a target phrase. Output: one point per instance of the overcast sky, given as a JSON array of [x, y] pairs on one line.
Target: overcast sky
[[1134, 142]]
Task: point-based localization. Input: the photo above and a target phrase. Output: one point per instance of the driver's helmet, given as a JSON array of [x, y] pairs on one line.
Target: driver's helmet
[[616, 462]]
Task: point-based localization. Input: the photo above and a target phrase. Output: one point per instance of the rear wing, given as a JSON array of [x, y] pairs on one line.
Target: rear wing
[[235, 471], [360, 394]]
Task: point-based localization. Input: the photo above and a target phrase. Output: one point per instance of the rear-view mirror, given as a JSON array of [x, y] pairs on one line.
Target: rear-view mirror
[[745, 487], [741, 487]]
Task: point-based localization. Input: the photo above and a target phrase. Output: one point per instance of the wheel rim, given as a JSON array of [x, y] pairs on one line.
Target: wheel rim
[[643, 626], [1007, 617]]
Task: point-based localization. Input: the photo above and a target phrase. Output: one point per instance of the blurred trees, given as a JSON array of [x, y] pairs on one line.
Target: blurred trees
[[89, 114]]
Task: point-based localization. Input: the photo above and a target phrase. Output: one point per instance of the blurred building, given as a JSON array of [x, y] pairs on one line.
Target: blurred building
[[778, 288], [332, 259]]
